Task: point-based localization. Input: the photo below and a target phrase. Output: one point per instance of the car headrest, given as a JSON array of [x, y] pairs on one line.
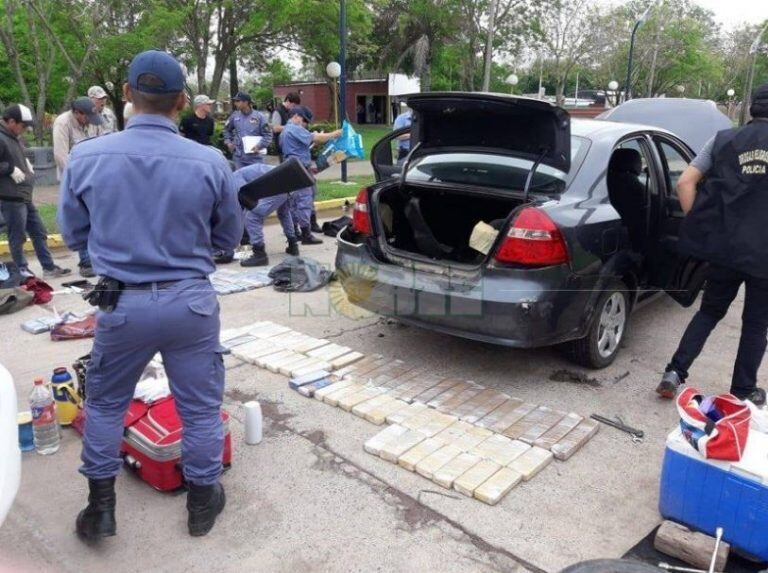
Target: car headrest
[[626, 160]]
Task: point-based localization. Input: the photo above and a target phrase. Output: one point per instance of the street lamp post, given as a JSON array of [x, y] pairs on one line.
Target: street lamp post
[[333, 70], [512, 80], [613, 85], [343, 71], [730, 93], [751, 77], [640, 22]]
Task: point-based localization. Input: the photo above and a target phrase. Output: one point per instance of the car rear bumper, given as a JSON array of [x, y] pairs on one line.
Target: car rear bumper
[[511, 307]]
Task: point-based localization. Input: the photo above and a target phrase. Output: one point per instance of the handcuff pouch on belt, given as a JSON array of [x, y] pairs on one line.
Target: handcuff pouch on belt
[[106, 294]]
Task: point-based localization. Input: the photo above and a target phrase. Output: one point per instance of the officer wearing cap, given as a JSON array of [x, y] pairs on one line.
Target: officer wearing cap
[[198, 126], [245, 122], [108, 119], [296, 141], [405, 119], [69, 129], [152, 206], [724, 193], [17, 180]]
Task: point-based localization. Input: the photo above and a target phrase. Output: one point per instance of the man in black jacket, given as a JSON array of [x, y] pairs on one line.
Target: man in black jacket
[[17, 178], [724, 193]]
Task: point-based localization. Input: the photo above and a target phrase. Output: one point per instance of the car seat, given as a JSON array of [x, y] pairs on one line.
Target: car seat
[[628, 194]]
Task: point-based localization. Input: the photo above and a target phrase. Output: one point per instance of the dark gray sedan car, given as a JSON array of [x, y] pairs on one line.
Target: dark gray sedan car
[[511, 224]]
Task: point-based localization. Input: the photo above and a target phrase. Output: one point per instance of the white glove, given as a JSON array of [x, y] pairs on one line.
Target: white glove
[[18, 175], [30, 167]]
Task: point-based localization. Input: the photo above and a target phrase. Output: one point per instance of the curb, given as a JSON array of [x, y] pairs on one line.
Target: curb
[[56, 242]]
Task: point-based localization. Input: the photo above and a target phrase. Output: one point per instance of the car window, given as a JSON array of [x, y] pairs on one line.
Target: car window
[[490, 170], [674, 164], [644, 176]]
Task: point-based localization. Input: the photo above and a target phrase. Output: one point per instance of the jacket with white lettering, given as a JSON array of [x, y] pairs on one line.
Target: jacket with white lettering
[[728, 224]]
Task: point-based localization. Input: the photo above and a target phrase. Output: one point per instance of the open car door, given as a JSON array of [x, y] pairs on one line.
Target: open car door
[[382, 155], [682, 277]]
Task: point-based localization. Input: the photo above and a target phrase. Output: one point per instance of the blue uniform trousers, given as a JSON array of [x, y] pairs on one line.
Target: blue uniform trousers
[[182, 323], [302, 203], [254, 219], [247, 159]]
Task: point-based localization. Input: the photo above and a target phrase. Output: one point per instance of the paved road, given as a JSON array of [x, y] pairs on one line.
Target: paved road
[[309, 498]]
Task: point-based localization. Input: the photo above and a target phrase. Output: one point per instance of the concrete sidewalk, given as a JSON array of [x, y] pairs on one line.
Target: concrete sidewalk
[[310, 499]]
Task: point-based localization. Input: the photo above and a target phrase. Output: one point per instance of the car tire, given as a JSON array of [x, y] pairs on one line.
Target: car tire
[[611, 566], [607, 331]]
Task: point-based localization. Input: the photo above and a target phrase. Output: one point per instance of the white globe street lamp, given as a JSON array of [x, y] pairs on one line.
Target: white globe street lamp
[[613, 85], [333, 69], [731, 92], [512, 80]]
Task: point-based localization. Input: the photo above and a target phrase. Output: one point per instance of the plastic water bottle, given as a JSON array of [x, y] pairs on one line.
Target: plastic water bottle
[[45, 428], [253, 423]]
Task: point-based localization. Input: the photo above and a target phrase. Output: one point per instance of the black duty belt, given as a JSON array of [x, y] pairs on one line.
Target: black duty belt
[[159, 285]]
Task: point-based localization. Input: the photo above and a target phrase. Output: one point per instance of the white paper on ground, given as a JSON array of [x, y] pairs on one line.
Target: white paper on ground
[[250, 142]]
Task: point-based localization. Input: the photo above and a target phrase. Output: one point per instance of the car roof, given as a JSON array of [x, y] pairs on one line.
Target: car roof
[[598, 128]]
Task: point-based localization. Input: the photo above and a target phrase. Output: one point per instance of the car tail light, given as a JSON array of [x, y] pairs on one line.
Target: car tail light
[[533, 240], [361, 218]]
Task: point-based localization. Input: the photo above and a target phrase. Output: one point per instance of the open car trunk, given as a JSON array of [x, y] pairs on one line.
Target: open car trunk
[[437, 224]]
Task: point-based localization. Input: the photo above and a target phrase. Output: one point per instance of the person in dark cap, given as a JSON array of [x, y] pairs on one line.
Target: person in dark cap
[[246, 122], [296, 141], [724, 193], [69, 129], [152, 206], [17, 180]]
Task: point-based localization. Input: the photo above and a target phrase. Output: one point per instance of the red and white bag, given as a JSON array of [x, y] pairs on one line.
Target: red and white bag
[[716, 426]]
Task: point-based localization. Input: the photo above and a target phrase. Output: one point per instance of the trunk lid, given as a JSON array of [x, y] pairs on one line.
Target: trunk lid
[[495, 123]]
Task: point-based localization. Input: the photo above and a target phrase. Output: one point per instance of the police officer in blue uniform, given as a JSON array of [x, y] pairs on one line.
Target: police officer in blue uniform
[[296, 141], [724, 193], [254, 219], [151, 206], [246, 121]]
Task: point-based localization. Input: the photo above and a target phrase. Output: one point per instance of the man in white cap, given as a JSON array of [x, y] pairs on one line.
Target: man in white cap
[[108, 119], [198, 126], [17, 180]]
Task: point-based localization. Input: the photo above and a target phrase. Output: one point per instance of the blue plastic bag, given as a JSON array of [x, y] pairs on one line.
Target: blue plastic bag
[[348, 146]]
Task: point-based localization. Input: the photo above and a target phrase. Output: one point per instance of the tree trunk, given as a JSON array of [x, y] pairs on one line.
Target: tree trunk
[[489, 47], [234, 85]]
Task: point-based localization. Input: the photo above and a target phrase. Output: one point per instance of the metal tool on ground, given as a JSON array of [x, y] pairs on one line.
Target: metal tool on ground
[[718, 539], [668, 567], [618, 423]]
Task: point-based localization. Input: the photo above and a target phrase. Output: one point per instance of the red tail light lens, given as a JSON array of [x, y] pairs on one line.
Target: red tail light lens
[[361, 218], [534, 240]]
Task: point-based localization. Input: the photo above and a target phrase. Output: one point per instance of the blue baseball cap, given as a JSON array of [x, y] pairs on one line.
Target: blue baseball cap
[[155, 72], [301, 110]]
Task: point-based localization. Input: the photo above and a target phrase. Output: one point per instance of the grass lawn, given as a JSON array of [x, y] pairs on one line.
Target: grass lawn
[[48, 214], [338, 190], [371, 134]]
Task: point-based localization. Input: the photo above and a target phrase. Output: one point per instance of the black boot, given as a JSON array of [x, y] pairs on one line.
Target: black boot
[[313, 226], [223, 257], [257, 259], [307, 238], [97, 520], [204, 503], [293, 247]]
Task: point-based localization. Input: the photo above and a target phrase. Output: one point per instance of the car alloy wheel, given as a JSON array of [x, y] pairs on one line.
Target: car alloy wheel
[[613, 322]]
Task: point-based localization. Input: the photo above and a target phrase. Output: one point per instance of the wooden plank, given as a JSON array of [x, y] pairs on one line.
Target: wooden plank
[[433, 462], [533, 422], [531, 462], [575, 439], [376, 443], [379, 415], [391, 451], [454, 469], [416, 454], [402, 415], [351, 400], [500, 449], [494, 416], [497, 486], [558, 431], [478, 474], [493, 400], [690, 546], [437, 389], [449, 394]]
